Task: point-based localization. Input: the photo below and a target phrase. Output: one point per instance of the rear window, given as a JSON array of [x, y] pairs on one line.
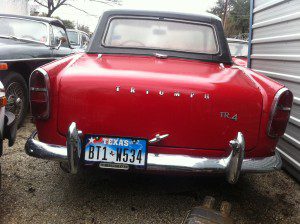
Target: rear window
[[161, 35]]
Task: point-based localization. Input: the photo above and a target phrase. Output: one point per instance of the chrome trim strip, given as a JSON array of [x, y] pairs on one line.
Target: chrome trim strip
[[161, 56], [231, 165], [75, 58], [29, 59]]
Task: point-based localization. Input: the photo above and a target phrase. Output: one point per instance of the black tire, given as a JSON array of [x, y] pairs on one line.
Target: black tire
[[17, 96]]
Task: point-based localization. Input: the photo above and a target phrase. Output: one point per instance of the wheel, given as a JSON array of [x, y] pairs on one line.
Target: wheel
[[17, 96]]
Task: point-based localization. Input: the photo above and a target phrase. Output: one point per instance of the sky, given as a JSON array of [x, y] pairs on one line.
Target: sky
[[95, 9]]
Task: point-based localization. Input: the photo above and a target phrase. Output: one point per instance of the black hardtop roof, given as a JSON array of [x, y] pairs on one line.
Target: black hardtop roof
[[207, 17], [96, 45], [50, 20]]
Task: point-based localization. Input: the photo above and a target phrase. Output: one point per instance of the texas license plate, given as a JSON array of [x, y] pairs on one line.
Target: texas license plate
[[114, 150]]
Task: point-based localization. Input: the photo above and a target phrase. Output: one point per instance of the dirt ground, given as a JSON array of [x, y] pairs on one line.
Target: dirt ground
[[37, 191]]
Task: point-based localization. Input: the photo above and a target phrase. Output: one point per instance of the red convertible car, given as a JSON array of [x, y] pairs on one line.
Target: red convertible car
[[157, 91]]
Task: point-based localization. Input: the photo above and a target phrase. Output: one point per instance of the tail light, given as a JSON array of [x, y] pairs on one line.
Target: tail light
[[280, 113], [3, 101], [39, 93]]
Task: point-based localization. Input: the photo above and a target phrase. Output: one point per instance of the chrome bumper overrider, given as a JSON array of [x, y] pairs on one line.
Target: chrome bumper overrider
[[231, 165]]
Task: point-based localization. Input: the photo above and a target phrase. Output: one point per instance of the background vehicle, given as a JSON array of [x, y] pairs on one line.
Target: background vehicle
[[26, 43], [157, 91], [239, 51], [78, 39], [8, 125]]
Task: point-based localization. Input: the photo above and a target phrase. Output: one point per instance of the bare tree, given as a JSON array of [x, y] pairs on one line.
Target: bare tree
[[225, 12], [53, 5]]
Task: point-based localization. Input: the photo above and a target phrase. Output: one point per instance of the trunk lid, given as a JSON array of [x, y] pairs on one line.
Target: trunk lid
[[136, 96]]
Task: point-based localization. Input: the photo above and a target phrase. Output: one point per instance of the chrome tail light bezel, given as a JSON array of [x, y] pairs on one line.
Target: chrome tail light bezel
[[46, 90], [274, 109]]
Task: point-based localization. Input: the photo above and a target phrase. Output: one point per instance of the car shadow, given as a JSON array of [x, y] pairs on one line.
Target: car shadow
[[252, 200]]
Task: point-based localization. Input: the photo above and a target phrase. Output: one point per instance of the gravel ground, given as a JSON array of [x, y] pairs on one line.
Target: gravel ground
[[37, 191]]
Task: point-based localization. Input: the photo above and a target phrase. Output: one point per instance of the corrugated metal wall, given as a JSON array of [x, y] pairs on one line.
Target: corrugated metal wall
[[275, 52]]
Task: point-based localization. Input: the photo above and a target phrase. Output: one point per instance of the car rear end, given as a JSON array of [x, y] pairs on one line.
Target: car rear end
[[181, 111], [90, 120]]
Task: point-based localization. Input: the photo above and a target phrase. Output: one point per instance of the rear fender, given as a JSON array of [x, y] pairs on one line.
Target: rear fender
[[45, 127], [268, 88]]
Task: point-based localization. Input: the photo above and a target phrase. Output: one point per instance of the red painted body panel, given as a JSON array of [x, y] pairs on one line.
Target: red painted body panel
[[83, 89], [240, 61], [98, 108]]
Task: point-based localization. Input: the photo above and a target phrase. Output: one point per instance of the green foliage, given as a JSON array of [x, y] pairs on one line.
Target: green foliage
[[237, 19], [84, 28], [68, 23], [218, 10]]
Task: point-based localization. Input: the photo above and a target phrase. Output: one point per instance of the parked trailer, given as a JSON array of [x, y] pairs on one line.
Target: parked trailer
[[274, 50]]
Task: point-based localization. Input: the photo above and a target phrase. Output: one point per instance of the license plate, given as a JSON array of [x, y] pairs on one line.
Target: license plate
[[117, 150]]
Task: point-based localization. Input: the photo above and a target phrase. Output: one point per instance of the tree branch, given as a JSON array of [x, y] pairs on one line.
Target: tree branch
[[60, 2], [53, 5], [79, 9], [107, 2], [40, 3]]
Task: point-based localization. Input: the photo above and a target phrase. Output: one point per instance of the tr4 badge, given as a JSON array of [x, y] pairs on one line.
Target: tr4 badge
[[229, 116]]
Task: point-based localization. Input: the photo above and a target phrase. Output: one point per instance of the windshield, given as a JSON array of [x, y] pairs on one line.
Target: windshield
[[73, 37], [163, 35], [238, 49], [23, 29]]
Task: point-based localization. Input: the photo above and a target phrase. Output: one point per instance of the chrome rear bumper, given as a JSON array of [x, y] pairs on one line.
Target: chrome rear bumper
[[231, 165]]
